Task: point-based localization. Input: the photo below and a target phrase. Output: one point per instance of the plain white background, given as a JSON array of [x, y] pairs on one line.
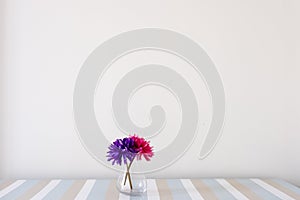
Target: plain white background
[[254, 44]]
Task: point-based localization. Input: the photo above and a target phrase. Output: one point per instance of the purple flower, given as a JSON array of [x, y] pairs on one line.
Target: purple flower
[[121, 150]]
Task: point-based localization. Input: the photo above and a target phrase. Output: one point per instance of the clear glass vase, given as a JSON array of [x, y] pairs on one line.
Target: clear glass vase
[[134, 184]]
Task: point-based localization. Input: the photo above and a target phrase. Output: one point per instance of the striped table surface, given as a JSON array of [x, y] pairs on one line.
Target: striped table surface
[[181, 189]]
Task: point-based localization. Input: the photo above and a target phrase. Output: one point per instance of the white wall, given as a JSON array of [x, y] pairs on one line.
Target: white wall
[[253, 44]]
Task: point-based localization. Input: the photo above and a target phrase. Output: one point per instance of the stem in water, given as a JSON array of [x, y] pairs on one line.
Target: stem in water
[[127, 175]]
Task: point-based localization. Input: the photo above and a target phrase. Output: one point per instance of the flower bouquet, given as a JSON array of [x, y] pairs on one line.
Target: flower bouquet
[[126, 150]]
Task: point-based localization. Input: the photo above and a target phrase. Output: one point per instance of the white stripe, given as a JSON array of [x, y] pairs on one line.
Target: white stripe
[[152, 191], [237, 194], [271, 189], [11, 187], [86, 189], [192, 191], [124, 197], [48, 188]]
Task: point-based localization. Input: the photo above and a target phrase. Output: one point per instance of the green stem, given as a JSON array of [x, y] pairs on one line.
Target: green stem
[[127, 175], [125, 178], [129, 178]]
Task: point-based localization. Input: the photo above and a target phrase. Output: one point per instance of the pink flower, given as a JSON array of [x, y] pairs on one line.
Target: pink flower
[[143, 147]]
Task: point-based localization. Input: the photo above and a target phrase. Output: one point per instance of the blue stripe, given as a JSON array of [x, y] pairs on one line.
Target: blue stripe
[[218, 189], [288, 185], [19, 191], [260, 191], [59, 190], [177, 189], [99, 190]]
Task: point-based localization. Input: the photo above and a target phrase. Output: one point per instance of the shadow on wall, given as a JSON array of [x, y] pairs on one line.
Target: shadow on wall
[[2, 68]]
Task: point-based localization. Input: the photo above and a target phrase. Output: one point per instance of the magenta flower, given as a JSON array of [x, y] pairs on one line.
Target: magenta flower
[[143, 148]]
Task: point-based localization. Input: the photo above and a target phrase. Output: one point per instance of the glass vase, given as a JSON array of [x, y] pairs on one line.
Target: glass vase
[[131, 183]]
